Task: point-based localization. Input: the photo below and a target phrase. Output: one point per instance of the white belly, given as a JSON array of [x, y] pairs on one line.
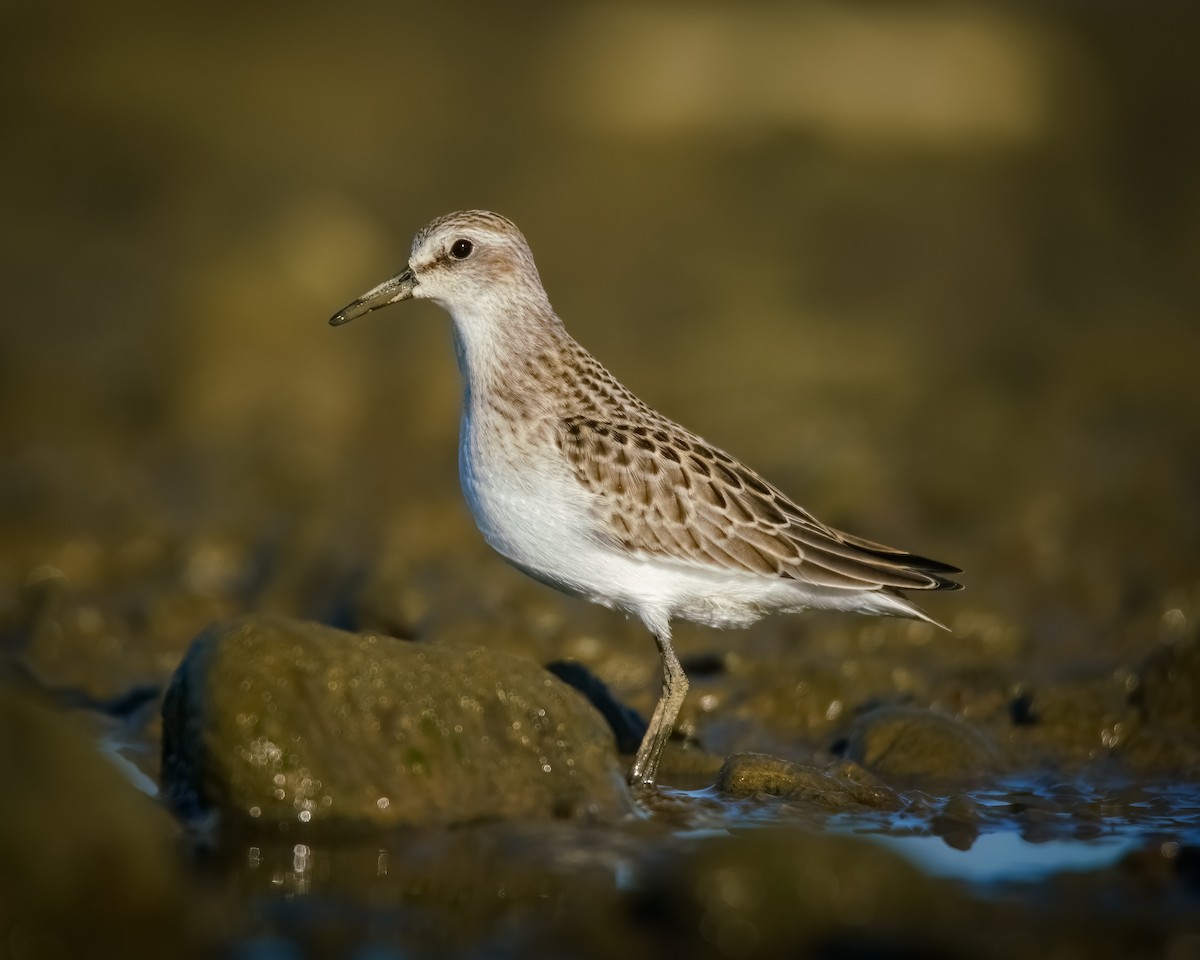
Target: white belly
[[531, 509], [536, 515]]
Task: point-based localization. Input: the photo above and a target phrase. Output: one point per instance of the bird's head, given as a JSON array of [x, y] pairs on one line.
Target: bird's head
[[464, 262]]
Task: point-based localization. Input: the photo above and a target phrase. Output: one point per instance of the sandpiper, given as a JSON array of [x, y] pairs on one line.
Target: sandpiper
[[578, 483]]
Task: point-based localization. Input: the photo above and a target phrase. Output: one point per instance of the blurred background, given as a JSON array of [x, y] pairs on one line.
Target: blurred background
[[930, 267]]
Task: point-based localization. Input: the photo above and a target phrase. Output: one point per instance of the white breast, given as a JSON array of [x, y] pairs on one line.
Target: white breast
[[526, 504], [532, 510]]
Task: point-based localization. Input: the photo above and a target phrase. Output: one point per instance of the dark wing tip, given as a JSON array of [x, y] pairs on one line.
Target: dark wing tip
[[934, 570], [937, 571], [925, 565], [942, 583]]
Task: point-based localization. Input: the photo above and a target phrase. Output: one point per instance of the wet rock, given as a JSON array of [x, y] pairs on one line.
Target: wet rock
[[958, 822], [1078, 721], [787, 892], [1168, 686], [628, 726], [281, 720], [906, 743], [1161, 733], [686, 765], [89, 864], [844, 785]]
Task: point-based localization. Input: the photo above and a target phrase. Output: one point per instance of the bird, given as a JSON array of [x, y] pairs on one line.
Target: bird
[[579, 484]]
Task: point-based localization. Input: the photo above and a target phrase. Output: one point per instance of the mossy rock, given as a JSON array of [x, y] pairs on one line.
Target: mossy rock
[[277, 720]]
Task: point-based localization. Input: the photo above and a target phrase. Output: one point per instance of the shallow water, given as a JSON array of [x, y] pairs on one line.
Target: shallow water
[[1020, 829], [1077, 827], [399, 892]]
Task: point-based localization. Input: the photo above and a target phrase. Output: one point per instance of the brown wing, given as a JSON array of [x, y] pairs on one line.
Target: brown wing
[[664, 492]]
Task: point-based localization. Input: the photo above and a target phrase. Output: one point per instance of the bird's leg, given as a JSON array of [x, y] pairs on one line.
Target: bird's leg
[[674, 689]]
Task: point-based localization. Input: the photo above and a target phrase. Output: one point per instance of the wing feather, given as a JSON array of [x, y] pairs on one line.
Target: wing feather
[[662, 492]]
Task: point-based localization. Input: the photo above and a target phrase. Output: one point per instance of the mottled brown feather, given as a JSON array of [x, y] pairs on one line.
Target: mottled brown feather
[[703, 508]]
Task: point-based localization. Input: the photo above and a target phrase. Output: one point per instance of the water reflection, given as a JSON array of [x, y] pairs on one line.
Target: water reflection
[[760, 863], [1026, 831], [1007, 856]]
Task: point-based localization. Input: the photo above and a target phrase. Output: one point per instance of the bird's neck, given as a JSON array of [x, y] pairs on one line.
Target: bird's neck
[[498, 342]]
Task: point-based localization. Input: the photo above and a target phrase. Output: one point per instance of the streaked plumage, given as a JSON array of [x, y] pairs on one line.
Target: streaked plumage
[[578, 483]]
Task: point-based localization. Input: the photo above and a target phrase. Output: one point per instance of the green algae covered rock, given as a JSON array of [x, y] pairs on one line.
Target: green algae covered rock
[[279, 720], [844, 786], [910, 744]]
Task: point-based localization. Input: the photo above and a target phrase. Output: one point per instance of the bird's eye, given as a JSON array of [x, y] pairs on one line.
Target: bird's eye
[[461, 249]]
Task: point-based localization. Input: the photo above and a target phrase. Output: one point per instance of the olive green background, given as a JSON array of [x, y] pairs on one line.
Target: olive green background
[[930, 267]]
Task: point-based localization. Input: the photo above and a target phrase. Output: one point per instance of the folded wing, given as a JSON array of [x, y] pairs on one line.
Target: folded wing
[[662, 492]]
